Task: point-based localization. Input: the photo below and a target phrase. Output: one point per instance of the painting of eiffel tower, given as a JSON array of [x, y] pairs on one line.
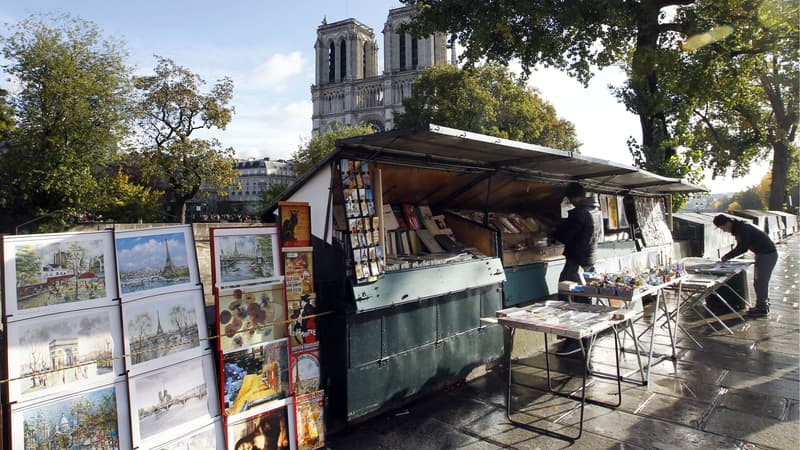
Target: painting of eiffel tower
[[154, 258]]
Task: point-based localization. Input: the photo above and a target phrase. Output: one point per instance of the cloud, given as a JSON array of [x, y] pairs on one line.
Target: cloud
[[268, 130], [277, 72]]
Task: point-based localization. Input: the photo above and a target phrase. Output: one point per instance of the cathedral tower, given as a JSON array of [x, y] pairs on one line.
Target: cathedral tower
[[348, 87]]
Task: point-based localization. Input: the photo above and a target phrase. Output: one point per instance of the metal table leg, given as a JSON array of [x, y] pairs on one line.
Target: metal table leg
[[582, 397]]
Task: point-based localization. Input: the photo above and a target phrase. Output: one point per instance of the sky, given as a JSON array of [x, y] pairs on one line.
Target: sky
[[267, 49]]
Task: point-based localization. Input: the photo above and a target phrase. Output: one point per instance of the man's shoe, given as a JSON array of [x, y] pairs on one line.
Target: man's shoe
[[757, 312]]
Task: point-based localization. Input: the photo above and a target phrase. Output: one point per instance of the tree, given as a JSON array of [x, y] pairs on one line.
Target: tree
[[6, 118], [644, 37], [318, 147], [486, 99], [28, 265], [70, 110], [269, 195], [172, 109], [126, 201], [745, 89]]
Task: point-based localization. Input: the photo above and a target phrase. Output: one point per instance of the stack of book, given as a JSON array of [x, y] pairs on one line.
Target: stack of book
[[415, 237]]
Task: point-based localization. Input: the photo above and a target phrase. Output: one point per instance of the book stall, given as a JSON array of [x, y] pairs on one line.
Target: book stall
[[417, 234]]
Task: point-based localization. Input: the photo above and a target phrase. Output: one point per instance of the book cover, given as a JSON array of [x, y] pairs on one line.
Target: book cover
[[399, 217], [389, 219], [410, 214]]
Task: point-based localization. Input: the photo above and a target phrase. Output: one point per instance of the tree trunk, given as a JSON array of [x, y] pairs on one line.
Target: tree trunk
[[182, 212], [780, 165]]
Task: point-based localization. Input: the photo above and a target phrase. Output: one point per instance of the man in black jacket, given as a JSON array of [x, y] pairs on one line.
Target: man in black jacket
[[579, 234], [751, 238]]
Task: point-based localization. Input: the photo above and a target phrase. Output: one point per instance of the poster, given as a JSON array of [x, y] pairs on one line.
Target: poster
[[303, 323], [168, 401], [310, 421], [210, 437], [270, 430], [250, 315], [298, 267], [305, 372], [96, 419], [52, 273], [63, 353], [154, 261], [244, 255], [164, 329], [256, 376], [295, 219]]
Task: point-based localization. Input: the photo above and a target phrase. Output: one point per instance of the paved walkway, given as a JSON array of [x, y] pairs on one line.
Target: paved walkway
[[738, 392]]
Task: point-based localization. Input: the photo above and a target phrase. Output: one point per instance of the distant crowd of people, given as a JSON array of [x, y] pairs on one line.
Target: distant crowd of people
[[227, 218]]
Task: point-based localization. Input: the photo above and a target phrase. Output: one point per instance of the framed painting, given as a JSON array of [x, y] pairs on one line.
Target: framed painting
[[295, 218], [298, 272], [96, 419], [250, 315], [210, 437], [163, 330], [269, 430], [168, 401], [310, 420], [58, 354], [305, 372], [244, 255], [254, 377], [53, 273], [154, 261]]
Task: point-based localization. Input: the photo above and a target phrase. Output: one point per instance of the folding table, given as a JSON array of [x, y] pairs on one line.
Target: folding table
[[571, 320]]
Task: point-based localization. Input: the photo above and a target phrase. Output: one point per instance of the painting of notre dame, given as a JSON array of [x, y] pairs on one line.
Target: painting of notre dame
[[155, 260], [58, 272]]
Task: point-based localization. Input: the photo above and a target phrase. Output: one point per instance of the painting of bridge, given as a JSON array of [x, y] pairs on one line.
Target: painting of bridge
[[155, 258], [165, 399], [245, 255]]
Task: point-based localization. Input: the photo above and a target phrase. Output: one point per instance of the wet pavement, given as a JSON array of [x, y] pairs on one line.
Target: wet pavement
[[739, 391]]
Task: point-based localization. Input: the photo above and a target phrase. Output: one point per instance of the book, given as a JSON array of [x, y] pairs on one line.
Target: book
[[410, 214], [448, 243], [389, 219], [399, 217], [428, 241], [413, 240]]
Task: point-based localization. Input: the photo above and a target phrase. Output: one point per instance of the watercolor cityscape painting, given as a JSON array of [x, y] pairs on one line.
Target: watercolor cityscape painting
[[245, 255], [151, 260], [165, 399], [85, 421], [59, 272], [73, 348], [164, 325]]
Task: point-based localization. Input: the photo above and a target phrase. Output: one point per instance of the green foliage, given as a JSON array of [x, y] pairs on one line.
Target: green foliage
[[731, 98], [127, 202], [486, 99], [70, 111], [744, 90], [6, 118], [318, 147], [269, 196], [171, 109]]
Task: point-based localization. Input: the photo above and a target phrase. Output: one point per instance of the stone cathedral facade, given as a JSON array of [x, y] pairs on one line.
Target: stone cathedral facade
[[348, 87]]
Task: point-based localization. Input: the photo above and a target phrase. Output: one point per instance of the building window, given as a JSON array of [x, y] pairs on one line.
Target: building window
[[364, 61], [332, 63], [343, 59], [414, 53], [402, 37]]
